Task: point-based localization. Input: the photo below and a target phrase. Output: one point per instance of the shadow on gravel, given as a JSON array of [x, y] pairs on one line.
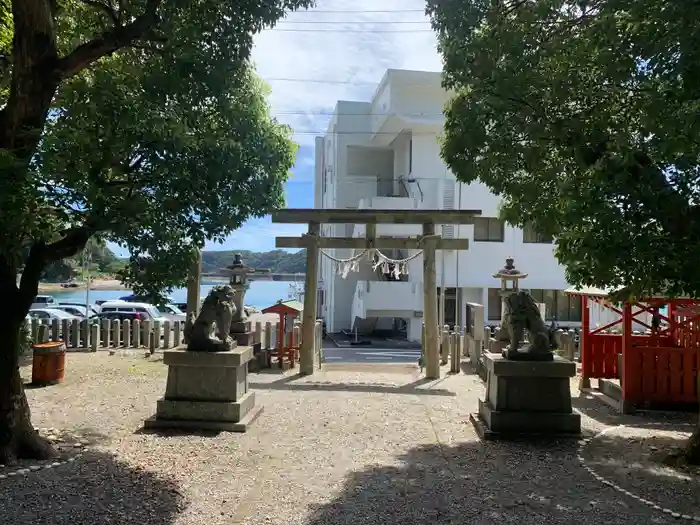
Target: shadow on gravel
[[177, 432], [636, 459], [288, 383], [95, 489], [593, 408], [483, 483]]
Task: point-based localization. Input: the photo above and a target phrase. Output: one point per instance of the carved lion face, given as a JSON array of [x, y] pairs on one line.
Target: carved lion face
[[224, 293]]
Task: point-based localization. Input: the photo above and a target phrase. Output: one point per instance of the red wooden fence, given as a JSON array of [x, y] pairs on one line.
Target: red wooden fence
[[661, 374]]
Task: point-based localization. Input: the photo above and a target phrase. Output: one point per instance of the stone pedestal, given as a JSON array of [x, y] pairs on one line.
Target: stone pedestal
[[526, 398], [207, 391], [243, 333], [496, 346]]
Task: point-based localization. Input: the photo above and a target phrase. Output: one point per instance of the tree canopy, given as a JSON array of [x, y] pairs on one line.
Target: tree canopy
[[159, 139], [96, 258], [139, 121], [582, 116]]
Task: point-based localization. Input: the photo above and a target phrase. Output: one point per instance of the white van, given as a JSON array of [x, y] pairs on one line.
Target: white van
[[147, 310], [44, 301]]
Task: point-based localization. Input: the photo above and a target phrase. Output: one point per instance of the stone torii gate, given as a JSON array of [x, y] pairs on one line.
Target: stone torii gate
[[429, 242]]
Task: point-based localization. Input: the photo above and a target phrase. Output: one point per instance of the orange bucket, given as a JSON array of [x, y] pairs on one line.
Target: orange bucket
[[48, 363]]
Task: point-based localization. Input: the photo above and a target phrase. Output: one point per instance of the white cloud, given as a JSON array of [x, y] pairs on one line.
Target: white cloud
[[335, 51], [353, 62]]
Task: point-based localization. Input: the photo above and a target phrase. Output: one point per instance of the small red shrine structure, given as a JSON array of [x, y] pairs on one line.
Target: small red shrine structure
[[287, 310], [659, 366]]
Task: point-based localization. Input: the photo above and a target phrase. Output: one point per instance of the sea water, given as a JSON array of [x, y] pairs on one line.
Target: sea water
[[261, 294]]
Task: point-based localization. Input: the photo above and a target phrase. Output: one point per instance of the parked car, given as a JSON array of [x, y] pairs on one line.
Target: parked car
[[124, 316], [133, 298], [149, 311], [172, 313], [76, 310], [49, 314], [44, 301], [93, 307]]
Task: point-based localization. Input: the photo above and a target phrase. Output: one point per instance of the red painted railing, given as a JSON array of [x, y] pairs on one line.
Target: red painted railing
[[600, 358], [661, 374]]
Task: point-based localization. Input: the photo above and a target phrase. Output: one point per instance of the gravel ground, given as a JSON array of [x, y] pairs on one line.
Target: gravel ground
[[345, 446]]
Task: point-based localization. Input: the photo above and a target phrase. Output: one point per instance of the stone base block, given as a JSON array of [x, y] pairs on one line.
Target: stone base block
[[496, 347], [503, 423], [231, 411], [180, 356], [241, 327], [243, 425], [207, 376], [526, 398], [244, 338], [206, 391], [261, 359]]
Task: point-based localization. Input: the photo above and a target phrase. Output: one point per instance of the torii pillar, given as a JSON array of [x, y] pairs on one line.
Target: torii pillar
[[430, 303]]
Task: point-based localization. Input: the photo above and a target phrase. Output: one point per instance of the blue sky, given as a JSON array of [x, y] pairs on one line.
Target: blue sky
[[337, 51]]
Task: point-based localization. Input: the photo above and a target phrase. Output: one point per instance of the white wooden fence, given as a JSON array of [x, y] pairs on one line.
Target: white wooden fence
[[111, 334]]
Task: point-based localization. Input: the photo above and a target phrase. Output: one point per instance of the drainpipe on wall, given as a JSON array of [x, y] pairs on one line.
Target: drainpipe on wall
[[458, 294], [441, 316]]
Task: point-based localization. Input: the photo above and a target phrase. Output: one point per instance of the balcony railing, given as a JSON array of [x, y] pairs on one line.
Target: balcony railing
[[388, 295]]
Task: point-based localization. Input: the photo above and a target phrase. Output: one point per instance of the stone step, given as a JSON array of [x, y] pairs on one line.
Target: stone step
[[610, 388], [601, 397]]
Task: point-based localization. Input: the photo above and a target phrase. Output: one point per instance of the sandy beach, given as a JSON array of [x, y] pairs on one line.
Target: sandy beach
[[97, 284]]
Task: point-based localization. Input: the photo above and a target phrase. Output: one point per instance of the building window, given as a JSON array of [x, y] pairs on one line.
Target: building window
[[410, 156], [488, 229], [568, 307], [494, 299], [558, 306], [530, 235], [548, 297]]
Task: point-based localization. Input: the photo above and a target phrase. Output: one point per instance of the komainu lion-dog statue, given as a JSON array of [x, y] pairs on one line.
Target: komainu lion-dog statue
[[522, 314], [217, 314]]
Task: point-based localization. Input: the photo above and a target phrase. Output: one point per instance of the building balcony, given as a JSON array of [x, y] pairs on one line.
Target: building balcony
[[387, 299], [388, 203]]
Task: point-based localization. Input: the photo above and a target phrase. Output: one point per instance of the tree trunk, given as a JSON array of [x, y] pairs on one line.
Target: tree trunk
[[18, 439]]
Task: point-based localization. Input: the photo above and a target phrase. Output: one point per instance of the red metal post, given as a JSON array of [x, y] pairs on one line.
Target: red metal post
[[628, 368], [672, 326], [584, 344]]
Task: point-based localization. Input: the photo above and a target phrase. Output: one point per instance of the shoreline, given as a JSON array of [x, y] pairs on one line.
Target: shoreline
[[96, 285]]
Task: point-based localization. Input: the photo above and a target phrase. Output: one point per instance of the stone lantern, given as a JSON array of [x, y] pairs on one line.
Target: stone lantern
[[509, 274], [239, 272], [510, 277]]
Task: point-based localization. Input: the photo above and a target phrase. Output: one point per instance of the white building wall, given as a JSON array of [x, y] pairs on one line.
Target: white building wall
[[408, 104]]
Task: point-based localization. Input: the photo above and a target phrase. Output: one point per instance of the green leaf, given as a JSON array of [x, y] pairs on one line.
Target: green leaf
[[582, 116], [159, 145]]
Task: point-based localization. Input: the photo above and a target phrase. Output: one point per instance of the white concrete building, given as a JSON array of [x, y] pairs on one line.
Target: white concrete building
[[384, 154]]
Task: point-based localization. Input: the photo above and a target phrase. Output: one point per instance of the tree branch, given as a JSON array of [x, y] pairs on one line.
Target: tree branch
[[41, 254], [106, 9], [109, 42]]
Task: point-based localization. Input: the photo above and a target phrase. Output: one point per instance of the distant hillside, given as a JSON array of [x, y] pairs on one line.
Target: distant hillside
[[278, 261], [101, 261]]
